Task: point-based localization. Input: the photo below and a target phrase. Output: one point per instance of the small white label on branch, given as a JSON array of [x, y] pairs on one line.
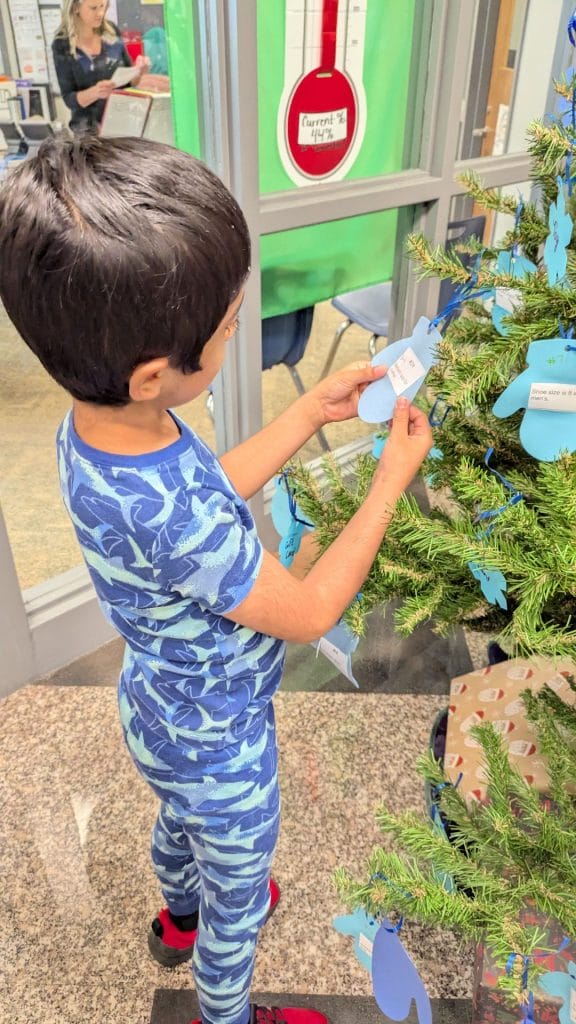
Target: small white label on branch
[[365, 945], [553, 397], [508, 298], [405, 371], [339, 659]]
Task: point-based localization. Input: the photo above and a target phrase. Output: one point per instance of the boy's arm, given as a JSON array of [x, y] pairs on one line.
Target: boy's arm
[[251, 464], [303, 610]]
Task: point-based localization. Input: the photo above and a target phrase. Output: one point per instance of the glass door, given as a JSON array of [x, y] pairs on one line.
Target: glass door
[[334, 154]]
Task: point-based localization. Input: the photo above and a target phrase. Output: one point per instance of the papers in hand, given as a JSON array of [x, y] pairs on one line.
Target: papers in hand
[[122, 76]]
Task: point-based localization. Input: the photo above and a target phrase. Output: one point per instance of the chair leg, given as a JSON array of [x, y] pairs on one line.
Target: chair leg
[[334, 347], [210, 405], [298, 384], [372, 345]]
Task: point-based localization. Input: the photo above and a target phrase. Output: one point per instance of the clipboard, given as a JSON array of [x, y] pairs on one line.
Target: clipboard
[[126, 113]]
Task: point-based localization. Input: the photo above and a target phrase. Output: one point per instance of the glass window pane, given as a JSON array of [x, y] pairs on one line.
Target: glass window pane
[[489, 226], [335, 100], [32, 406], [305, 265], [304, 337], [511, 67]]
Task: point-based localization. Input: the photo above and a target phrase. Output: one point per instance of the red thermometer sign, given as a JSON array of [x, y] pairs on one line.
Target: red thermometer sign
[[323, 109]]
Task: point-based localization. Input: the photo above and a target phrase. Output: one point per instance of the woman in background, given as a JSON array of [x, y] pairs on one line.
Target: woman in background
[[87, 49]]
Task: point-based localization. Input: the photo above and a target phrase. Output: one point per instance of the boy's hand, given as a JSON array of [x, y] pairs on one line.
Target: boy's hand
[[408, 445], [336, 397]]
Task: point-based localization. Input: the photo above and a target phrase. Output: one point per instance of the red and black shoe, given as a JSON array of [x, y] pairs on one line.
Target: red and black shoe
[[170, 945], [283, 1015]]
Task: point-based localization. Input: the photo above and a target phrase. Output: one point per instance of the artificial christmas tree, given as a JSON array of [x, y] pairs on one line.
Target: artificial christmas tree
[[497, 553], [507, 877], [503, 555]]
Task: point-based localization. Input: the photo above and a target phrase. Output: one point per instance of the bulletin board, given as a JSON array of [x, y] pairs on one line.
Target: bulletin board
[[29, 40]]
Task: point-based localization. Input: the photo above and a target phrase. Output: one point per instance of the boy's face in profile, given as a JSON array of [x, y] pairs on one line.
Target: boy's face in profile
[[178, 388]]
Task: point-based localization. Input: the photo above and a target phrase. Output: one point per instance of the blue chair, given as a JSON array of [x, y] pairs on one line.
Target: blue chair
[[284, 341], [371, 308]]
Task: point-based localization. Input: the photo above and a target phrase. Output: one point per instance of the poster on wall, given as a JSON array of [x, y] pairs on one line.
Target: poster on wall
[[322, 112], [51, 18], [29, 39]]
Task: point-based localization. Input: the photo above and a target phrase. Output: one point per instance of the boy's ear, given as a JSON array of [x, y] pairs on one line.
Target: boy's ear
[[146, 380]]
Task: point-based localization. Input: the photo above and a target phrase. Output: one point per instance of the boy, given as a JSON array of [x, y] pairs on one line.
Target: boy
[[122, 265]]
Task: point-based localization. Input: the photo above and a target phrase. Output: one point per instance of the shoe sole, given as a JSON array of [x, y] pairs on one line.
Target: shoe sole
[[165, 955], [168, 956]]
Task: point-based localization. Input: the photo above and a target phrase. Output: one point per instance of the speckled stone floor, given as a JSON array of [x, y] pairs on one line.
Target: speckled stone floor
[[78, 890]]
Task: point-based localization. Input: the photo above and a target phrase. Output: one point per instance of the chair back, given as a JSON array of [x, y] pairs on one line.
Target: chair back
[[285, 337], [460, 231]]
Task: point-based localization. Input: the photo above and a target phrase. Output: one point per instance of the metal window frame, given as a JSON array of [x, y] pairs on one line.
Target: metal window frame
[[62, 615]]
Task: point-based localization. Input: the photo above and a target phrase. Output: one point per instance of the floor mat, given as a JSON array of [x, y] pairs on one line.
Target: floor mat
[[179, 1006]]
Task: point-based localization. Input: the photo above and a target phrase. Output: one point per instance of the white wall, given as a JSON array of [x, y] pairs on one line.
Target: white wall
[[544, 22]]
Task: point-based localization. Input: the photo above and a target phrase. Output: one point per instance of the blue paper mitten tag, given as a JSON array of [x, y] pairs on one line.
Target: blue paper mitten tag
[[562, 985], [363, 929], [378, 445], [507, 299], [283, 508], [280, 507], [547, 391], [290, 543], [560, 224], [514, 264], [409, 361], [395, 979], [338, 645], [437, 454], [492, 584]]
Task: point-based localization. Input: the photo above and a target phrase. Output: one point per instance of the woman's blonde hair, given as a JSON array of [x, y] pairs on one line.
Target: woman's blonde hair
[[67, 27]]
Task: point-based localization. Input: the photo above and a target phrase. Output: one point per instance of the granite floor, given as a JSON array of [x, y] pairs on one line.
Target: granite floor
[[78, 890]]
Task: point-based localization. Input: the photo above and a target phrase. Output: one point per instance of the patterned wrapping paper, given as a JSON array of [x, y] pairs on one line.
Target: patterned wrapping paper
[[492, 694], [492, 1006]]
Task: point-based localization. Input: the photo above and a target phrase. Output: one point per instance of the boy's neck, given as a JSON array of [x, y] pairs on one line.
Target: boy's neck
[[134, 429]]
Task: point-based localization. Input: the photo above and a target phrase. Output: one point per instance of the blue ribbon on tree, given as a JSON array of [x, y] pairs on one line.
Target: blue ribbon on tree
[[572, 28], [463, 293], [292, 502], [513, 500], [528, 1017], [492, 581], [517, 216], [567, 333], [292, 536], [437, 419]]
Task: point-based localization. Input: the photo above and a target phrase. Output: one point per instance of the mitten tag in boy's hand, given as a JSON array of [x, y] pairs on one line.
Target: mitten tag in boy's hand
[[408, 362]]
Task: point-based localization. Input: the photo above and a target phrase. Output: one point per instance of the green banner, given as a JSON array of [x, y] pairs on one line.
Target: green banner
[[367, 53], [179, 26], [307, 265]]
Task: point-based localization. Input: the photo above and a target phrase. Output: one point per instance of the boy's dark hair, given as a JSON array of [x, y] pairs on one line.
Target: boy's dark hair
[[114, 252]]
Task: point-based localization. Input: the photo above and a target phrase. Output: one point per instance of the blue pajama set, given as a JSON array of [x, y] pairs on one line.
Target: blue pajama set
[[171, 547]]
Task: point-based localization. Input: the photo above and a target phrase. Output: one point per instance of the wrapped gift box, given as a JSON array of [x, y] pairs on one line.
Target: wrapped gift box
[[493, 1006], [492, 694]]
